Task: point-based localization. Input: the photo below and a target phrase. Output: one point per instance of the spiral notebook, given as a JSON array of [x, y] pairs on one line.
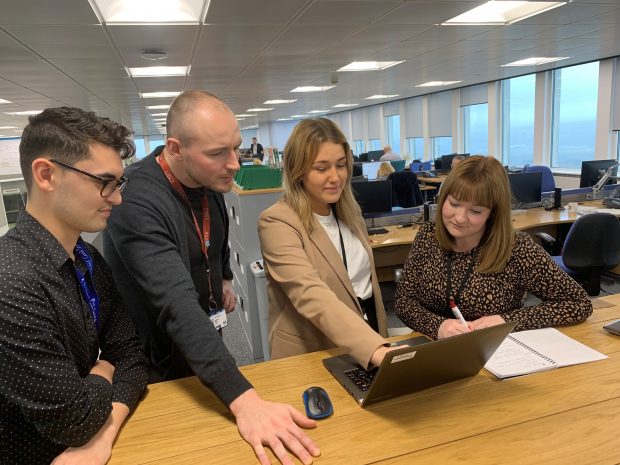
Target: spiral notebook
[[536, 350]]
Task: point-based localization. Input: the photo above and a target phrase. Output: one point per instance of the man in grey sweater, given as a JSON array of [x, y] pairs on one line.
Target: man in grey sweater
[[167, 245]]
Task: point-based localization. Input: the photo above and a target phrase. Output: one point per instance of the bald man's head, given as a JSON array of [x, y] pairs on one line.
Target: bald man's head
[[182, 112]]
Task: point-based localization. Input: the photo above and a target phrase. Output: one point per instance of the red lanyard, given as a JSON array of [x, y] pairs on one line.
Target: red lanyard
[[205, 234]]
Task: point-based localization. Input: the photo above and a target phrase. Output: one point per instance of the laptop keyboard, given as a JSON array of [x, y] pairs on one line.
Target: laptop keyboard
[[361, 378]]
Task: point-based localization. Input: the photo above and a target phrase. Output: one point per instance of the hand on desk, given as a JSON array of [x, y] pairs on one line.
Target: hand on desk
[[262, 423]]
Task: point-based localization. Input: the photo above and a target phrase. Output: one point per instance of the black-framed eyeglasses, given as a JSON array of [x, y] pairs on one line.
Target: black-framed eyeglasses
[[108, 185]]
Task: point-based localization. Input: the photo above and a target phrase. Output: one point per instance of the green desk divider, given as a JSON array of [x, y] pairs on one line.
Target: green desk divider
[[258, 177]]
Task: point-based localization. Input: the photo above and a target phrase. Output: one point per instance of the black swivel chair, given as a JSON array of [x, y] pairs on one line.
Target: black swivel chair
[[591, 247], [405, 189]]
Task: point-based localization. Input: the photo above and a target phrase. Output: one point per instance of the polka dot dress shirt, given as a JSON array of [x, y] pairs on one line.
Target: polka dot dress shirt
[[49, 343]]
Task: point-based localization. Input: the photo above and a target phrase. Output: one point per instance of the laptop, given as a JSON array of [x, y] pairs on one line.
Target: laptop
[[422, 365]]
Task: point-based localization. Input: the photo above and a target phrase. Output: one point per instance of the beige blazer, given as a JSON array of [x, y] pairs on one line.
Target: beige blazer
[[312, 304]]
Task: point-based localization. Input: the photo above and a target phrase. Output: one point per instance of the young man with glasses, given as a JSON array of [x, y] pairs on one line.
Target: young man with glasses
[[167, 246], [71, 365]]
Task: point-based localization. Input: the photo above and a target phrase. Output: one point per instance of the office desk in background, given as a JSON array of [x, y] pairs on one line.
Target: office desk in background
[[568, 415], [390, 250]]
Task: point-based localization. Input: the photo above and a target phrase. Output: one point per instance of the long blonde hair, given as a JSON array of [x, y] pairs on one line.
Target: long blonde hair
[[484, 182], [300, 151]]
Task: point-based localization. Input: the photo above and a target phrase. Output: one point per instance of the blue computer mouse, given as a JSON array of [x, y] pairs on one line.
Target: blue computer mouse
[[317, 403]]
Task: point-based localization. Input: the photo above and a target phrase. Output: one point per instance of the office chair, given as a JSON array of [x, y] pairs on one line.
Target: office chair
[[398, 165], [547, 181], [405, 189], [592, 246]]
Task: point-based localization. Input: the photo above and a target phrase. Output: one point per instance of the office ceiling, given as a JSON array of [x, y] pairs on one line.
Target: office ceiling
[[57, 52]]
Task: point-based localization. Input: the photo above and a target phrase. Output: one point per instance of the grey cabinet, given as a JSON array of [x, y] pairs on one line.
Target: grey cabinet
[[244, 208]]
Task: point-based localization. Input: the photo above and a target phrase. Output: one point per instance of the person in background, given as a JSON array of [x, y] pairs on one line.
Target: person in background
[[321, 281], [388, 155], [256, 150], [456, 160], [71, 364], [473, 256], [385, 168], [167, 246]]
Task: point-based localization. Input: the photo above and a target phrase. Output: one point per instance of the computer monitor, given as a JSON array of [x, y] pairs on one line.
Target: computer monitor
[[370, 169], [526, 187], [357, 169], [374, 155], [446, 160], [593, 170], [373, 197], [359, 179]]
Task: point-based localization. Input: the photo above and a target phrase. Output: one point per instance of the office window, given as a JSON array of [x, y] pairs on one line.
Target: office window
[[573, 133], [392, 128], [476, 128], [358, 147], [518, 100], [140, 148], [441, 146], [374, 144], [415, 148], [155, 141]]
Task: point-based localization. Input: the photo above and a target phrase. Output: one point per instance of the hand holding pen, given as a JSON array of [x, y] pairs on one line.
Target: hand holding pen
[[452, 327]]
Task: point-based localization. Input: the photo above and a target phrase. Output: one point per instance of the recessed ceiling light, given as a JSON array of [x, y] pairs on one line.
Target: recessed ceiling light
[[240, 119], [8, 127], [158, 94], [379, 96], [23, 113], [158, 107], [243, 115], [251, 127], [159, 114], [151, 11], [283, 119], [344, 105], [277, 102], [369, 65], [501, 12], [438, 83], [535, 61], [259, 109], [4, 101], [318, 111], [158, 71], [299, 116], [312, 88]]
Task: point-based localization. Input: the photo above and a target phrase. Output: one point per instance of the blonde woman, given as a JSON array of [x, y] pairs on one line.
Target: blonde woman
[[473, 256], [321, 281], [385, 169]]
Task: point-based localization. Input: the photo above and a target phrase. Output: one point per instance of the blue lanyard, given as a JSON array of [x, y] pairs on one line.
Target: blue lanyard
[[88, 291]]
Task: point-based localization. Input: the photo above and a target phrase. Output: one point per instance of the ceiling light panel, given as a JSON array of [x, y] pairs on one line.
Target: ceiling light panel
[[379, 96], [535, 61], [158, 94], [259, 109], [312, 88], [369, 65], [158, 107], [150, 11], [24, 113], [345, 105], [500, 12], [158, 71], [438, 83], [4, 101], [278, 102]]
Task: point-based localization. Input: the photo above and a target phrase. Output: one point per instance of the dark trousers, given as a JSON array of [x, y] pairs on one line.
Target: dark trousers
[[368, 307]]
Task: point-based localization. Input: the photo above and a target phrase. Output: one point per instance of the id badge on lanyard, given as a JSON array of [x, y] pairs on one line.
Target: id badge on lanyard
[[88, 291]]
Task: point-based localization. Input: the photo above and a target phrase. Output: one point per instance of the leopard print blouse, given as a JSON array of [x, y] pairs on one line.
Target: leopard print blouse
[[421, 295]]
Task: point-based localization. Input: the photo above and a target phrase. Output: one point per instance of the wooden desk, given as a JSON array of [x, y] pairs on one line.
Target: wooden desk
[[568, 415], [435, 180]]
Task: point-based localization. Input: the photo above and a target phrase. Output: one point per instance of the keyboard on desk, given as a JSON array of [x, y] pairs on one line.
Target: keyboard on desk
[[373, 231], [361, 378]]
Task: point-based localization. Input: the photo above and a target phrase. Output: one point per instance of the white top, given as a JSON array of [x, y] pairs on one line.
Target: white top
[[358, 262]]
